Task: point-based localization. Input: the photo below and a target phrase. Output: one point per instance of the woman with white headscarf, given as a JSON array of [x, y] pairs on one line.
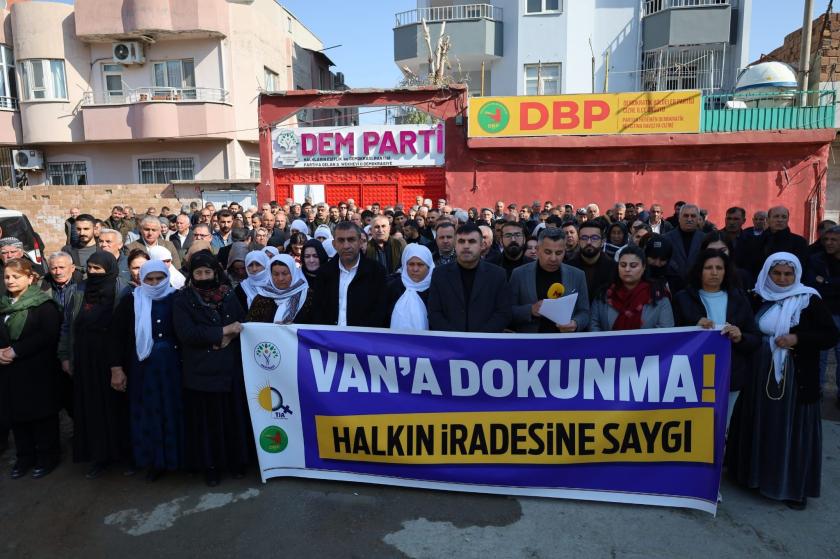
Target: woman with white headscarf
[[300, 226], [409, 293], [775, 442], [256, 266], [282, 296], [176, 278], [149, 369], [324, 235]]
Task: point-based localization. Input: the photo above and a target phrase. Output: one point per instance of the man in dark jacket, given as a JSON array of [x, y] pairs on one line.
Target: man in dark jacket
[[351, 289], [685, 241], [382, 247], [469, 295], [823, 274], [777, 238], [591, 259], [513, 251]]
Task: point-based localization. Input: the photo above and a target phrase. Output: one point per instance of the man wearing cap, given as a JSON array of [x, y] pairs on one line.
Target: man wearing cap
[[595, 264]]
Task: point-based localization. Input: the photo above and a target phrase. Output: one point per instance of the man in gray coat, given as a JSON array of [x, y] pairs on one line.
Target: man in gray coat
[[531, 283]]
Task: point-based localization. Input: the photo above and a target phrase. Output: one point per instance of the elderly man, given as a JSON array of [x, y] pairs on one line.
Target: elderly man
[[111, 241], [777, 238], [62, 279], [86, 244], [530, 286], [382, 247], [182, 238], [685, 240], [150, 232], [469, 295], [657, 224], [592, 211]]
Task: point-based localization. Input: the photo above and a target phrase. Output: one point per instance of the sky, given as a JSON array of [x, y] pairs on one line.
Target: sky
[[363, 28]]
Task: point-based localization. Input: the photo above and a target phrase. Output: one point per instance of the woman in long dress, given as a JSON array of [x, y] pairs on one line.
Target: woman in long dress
[[146, 363], [207, 319], [100, 415], [775, 444]]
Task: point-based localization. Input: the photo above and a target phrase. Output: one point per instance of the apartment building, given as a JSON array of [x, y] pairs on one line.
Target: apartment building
[[545, 47], [119, 92]]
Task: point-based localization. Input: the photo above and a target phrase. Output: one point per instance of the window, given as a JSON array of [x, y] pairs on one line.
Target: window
[[254, 164], [175, 75], [272, 79], [542, 79], [8, 84], [543, 6], [112, 74], [161, 171], [43, 80], [67, 172]]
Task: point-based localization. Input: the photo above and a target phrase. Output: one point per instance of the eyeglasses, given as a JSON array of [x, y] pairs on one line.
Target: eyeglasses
[[510, 236], [591, 238]]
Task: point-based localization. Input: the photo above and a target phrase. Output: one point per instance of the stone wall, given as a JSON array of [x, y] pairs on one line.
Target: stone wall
[[48, 206], [829, 46]]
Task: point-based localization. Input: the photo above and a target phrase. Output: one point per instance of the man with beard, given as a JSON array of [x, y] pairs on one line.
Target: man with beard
[[222, 237], [411, 233], [513, 243], [382, 247], [530, 286], [598, 268], [469, 295], [86, 244]]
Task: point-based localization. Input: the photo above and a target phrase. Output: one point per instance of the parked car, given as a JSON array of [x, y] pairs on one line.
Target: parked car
[[15, 224]]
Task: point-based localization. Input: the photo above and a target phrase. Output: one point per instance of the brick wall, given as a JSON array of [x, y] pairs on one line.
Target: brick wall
[[829, 44], [48, 206]]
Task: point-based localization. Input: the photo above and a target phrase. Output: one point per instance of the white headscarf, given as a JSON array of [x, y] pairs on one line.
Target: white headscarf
[[176, 278], [790, 301], [325, 231], [300, 226], [144, 294], [410, 312], [290, 300], [249, 284]]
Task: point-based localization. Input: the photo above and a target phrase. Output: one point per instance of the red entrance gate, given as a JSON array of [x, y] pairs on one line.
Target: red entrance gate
[[387, 186]]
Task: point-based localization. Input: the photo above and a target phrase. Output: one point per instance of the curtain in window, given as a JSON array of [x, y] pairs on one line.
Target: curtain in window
[[59, 83]]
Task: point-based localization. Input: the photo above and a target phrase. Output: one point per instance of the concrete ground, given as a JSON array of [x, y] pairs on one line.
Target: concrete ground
[[66, 516]]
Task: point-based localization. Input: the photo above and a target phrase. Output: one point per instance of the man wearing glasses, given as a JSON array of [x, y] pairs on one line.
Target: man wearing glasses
[[513, 247], [596, 265]]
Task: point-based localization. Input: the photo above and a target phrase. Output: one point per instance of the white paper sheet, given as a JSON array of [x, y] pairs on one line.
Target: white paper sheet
[[559, 310]]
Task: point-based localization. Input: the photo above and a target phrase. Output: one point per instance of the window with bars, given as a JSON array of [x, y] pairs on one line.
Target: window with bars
[[542, 79], [254, 165], [67, 173], [161, 171]]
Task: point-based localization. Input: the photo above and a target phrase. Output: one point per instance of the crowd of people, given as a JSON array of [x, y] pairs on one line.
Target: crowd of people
[[132, 328]]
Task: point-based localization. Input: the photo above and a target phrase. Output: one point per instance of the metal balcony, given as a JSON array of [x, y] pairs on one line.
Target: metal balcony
[[449, 13], [654, 6], [156, 94], [729, 112]]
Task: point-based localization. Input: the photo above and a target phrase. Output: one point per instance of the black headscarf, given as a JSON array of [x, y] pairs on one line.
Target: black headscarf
[[100, 288], [322, 257], [211, 291]]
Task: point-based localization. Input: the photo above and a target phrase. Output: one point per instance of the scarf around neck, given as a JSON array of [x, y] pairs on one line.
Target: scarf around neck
[[629, 303], [19, 310]]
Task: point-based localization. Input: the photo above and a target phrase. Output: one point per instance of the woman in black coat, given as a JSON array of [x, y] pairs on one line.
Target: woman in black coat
[[713, 298], [30, 370], [207, 317]]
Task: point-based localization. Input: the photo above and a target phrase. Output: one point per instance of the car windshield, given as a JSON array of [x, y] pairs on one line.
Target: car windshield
[[19, 228]]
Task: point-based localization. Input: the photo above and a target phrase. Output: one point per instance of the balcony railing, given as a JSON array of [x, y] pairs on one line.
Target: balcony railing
[[653, 6], [8, 103], [156, 94], [737, 112], [449, 13]]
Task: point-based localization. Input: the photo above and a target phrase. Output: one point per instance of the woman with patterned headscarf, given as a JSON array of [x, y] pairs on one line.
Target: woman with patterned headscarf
[[282, 295], [775, 442], [207, 318]]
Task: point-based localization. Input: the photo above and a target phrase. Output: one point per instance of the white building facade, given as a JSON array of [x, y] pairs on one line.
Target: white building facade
[[530, 47]]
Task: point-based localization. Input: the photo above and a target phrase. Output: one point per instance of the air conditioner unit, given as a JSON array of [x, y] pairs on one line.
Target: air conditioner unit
[[128, 53], [28, 159]]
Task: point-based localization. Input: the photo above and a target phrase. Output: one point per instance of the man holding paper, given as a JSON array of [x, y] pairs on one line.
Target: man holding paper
[[549, 282]]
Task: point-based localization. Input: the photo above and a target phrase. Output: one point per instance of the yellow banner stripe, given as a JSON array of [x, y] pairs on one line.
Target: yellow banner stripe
[[525, 437]]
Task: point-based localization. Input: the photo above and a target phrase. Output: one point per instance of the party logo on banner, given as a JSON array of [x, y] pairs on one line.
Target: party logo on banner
[[267, 355], [270, 399], [274, 439]]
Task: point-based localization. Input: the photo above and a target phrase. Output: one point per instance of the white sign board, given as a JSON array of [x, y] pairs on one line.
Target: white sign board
[[403, 145]]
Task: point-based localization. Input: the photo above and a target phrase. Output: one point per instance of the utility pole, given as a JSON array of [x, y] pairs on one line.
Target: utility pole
[[805, 51]]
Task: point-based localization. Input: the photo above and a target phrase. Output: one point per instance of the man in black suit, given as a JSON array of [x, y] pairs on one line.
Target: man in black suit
[[685, 241], [470, 294], [351, 288]]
